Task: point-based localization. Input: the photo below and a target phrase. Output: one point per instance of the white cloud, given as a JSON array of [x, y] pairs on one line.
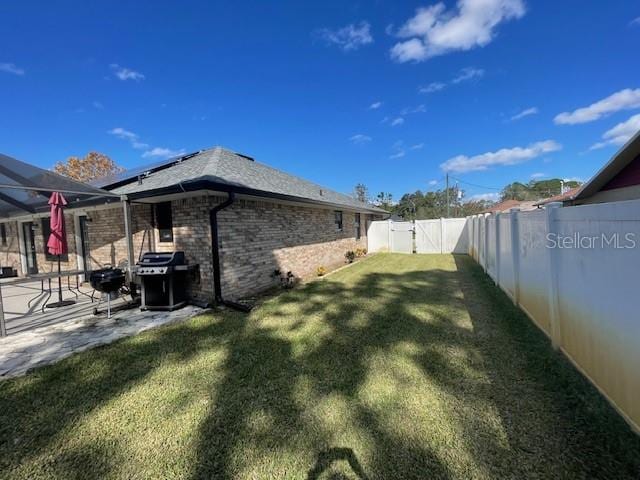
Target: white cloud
[[351, 37], [468, 73], [626, 99], [97, 105], [398, 149], [538, 175], [635, 21], [125, 73], [360, 139], [397, 121], [433, 87], [417, 146], [620, 134], [488, 197], [160, 152], [525, 113], [410, 110], [11, 68], [504, 156], [131, 137], [433, 183], [436, 31], [375, 105]]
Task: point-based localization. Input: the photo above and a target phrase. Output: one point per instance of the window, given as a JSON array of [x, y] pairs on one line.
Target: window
[[3, 234], [46, 233], [164, 220], [338, 220], [357, 224]]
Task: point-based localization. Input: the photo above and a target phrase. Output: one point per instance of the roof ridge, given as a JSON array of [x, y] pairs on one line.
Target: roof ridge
[[321, 188]]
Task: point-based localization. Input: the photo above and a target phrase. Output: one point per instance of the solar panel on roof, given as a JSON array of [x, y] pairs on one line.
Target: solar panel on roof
[[135, 171]]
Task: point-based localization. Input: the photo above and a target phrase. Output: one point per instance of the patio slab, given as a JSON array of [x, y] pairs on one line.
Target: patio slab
[[36, 339]]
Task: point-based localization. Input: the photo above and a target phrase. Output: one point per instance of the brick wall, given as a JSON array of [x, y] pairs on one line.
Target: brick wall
[[106, 237], [51, 264], [256, 238], [10, 253]]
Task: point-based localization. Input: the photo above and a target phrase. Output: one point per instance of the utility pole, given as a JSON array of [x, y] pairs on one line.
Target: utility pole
[[447, 177]]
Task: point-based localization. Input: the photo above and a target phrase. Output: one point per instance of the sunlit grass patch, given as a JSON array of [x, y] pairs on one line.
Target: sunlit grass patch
[[401, 366]]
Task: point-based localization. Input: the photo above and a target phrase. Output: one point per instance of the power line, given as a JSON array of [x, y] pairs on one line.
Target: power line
[[476, 185]]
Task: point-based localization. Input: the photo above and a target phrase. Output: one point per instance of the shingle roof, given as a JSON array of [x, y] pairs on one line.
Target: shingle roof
[[224, 167], [562, 197], [507, 205]]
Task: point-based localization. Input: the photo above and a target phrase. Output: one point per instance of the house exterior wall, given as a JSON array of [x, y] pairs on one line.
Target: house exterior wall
[[256, 238], [106, 236], [46, 265], [10, 253], [614, 195]]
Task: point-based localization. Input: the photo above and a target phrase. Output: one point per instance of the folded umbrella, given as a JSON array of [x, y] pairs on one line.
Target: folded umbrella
[[57, 242]]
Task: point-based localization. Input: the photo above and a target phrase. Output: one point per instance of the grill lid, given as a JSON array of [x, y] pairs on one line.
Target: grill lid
[[161, 259]]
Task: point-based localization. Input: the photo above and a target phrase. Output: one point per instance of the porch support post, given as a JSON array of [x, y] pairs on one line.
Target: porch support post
[[3, 326], [126, 204], [552, 254]]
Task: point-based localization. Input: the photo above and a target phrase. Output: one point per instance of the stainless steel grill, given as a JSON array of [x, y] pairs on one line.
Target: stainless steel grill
[[164, 278]]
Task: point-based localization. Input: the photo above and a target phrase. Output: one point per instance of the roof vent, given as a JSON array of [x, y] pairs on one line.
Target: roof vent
[[321, 192]]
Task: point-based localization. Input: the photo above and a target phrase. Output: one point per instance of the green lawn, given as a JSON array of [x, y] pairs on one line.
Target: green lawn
[[398, 367]]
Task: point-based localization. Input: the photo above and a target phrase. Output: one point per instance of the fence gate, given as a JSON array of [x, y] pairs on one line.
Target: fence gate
[[401, 237], [428, 236]]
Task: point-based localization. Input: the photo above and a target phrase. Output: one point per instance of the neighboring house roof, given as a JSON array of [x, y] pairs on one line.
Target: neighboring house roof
[[625, 158], [562, 197], [507, 205], [220, 169]]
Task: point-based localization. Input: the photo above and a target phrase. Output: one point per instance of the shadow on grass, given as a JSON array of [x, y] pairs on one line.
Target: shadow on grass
[[349, 343]]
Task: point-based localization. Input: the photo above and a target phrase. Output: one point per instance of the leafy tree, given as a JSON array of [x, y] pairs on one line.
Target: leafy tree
[[535, 189], [423, 206], [92, 166], [385, 201], [361, 192]]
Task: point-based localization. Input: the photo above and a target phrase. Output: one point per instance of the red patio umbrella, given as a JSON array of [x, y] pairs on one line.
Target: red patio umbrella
[[57, 243]]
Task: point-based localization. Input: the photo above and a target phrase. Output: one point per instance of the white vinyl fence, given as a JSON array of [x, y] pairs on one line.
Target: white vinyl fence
[[575, 272], [445, 235]]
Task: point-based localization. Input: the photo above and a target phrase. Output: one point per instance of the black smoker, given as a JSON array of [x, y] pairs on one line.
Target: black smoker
[[164, 280], [108, 281]]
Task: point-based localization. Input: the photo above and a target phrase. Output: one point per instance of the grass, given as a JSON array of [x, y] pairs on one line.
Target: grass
[[398, 367]]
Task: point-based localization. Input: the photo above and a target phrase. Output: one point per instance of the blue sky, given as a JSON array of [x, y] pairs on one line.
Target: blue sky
[[390, 94]]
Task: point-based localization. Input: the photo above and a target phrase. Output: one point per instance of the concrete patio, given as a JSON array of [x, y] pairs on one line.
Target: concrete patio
[[36, 337]]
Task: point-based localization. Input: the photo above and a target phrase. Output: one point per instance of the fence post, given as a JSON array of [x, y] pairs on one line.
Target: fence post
[[441, 235], [515, 254], [485, 247], [498, 248], [554, 307]]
